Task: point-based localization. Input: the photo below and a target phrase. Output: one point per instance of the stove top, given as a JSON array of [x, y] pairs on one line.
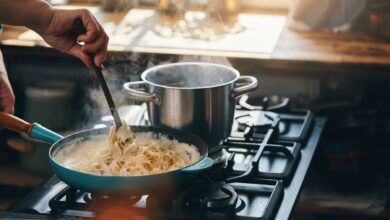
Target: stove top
[[258, 174]]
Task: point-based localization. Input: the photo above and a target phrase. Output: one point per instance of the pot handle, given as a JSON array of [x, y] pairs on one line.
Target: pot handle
[[204, 164], [135, 90], [35, 131], [245, 84]]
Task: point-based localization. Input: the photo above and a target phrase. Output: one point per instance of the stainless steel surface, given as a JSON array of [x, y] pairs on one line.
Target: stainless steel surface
[[107, 94], [135, 93], [249, 84], [196, 97]]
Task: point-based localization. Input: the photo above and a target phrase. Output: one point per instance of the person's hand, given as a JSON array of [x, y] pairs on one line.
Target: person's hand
[[7, 98], [61, 33]]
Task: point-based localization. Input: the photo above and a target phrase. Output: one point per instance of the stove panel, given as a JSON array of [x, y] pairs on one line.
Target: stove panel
[[258, 174]]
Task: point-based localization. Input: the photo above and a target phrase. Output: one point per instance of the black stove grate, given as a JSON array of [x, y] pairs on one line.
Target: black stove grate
[[254, 125], [258, 175], [208, 199], [254, 150], [280, 159]]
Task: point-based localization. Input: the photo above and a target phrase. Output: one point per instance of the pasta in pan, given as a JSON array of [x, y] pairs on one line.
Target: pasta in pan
[[126, 155]]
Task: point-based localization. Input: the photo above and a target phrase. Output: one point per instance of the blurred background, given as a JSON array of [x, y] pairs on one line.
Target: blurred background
[[330, 56]]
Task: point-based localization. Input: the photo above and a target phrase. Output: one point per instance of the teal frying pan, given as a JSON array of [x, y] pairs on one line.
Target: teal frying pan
[[113, 184]]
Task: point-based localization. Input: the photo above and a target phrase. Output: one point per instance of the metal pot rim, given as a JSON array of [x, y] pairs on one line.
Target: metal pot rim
[[146, 72]]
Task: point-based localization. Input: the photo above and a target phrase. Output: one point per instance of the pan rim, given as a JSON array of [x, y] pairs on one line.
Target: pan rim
[[162, 66], [53, 148]]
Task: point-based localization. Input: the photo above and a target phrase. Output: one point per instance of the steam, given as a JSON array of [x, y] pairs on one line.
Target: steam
[[117, 71], [191, 76], [129, 67]]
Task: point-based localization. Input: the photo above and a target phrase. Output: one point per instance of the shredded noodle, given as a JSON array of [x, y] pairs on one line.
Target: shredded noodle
[[125, 155]]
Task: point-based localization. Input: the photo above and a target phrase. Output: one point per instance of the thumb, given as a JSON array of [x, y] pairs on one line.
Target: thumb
[[83, 56]]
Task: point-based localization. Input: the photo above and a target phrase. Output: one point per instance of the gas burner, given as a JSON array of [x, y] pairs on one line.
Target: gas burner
[[215, 195]]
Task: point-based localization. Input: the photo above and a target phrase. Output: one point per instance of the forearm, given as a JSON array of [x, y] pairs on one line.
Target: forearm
[[2, 66], [34, 14], [7, 97]]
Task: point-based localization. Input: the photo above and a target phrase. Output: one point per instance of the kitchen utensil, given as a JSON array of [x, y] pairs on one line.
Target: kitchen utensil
[[107, 94], [196, 97], [80, 29], [112, 184]]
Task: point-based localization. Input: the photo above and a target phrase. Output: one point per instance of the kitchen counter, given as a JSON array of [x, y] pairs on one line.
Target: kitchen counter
[[356, 52]]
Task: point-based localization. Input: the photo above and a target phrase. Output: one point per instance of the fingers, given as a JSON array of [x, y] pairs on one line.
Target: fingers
[[83, 56], [97, 45], [91, 26], [101, 56], [99, 48], [95, 40], [102, 52]]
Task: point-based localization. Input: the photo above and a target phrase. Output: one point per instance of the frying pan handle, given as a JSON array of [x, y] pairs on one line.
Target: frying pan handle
[[14, 123], [245, 84], [35, 130], [134, 89], [43, 134], [204, 164]]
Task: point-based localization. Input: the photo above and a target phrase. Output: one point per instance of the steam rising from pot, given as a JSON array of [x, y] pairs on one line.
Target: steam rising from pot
[[125, 68], [190, 75]]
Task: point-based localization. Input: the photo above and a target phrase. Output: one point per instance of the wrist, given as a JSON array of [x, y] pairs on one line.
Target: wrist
[[41, 18]]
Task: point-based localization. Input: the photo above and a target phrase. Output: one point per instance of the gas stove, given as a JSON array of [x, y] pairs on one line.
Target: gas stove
[[258, 174]]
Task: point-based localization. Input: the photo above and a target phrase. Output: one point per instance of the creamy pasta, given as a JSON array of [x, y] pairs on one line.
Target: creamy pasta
[[123, 154]]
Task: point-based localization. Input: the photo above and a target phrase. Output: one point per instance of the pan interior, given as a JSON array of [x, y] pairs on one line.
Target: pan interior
[[84, 136]]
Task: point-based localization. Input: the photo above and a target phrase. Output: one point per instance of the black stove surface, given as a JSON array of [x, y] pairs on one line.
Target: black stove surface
[[206, 199], [260, 177]]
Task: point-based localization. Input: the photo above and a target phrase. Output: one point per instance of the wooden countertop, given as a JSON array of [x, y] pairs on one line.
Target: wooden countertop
[[316, 50]]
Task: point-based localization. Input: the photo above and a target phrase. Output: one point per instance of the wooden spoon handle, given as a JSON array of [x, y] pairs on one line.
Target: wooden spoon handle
[[14, 123]]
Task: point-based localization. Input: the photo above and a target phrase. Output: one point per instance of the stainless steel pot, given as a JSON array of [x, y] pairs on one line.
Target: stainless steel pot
[[196, 97]]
